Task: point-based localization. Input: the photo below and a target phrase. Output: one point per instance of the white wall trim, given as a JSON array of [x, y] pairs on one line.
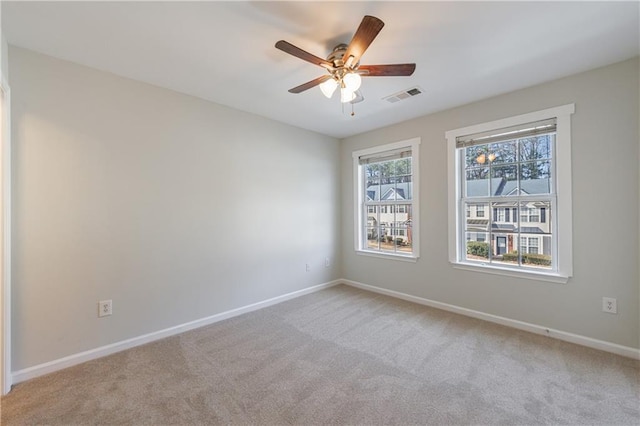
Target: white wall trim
[[75, 359], [5, 240], [520, 325], [562, 225]]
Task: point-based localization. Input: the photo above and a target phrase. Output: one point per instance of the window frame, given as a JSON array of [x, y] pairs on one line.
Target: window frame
[[562, 225], [360, 222]]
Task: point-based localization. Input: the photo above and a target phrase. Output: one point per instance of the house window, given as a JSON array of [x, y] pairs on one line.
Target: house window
[[530, 214], [386, 179], [516, 168], [529, 245]]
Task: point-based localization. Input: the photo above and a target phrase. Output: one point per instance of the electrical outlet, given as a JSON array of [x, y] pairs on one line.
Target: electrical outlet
[[327, 262], [105, 308], [308, 268], [610, 305]]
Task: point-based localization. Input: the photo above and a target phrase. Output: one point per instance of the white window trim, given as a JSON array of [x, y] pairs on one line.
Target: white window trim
[[358, 195], [562, 225]]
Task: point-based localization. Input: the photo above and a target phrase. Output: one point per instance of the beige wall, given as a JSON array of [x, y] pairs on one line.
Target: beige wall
[[4, 50], [177, 209], [605, 211], [173, 207]]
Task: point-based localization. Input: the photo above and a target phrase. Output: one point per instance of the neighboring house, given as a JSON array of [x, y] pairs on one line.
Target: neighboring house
[[394, 219], [527, 229]]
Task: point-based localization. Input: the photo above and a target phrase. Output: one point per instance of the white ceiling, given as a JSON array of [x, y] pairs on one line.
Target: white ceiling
[[224, 51]]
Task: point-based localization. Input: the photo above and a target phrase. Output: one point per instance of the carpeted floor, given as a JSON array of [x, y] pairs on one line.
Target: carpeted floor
[[340, 356]]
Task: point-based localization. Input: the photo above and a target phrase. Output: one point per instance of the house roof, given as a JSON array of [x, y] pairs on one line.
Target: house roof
[[504, 187], [389, 191]]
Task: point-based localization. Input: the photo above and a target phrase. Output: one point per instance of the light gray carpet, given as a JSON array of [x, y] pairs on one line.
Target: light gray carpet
[[340, 356]]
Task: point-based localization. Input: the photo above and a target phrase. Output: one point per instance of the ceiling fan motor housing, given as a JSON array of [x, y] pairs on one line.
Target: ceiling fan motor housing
[[336, 57]]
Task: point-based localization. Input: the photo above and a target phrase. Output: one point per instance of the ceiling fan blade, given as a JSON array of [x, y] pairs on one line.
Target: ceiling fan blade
[[310, 84], [289, 48], [387, 70], [366, 32]]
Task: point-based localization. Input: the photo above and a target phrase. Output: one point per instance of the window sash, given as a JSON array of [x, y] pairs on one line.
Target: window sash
[[402, 150], [524, 214], [393, 227], [490, 233]]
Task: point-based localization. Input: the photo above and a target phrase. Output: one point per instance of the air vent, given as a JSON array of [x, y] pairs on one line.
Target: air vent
[[405, 94]]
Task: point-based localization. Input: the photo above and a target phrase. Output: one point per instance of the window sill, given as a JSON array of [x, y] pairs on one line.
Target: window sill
[[508, 272], [390, 256]]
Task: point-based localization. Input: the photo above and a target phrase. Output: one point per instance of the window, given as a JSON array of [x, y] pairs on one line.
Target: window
[[386, 200], [529, 245], [531, 214], [519, 170]]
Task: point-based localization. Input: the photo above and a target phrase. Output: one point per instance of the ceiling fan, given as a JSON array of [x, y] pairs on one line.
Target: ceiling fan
[[343, 64]]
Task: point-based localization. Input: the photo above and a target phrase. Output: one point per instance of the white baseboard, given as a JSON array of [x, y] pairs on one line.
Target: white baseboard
[[533, 328], [71, 360]]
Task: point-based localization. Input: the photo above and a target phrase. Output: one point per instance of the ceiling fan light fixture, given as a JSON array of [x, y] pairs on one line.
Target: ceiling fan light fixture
[[329, 87], [352, 81], [347, 95]]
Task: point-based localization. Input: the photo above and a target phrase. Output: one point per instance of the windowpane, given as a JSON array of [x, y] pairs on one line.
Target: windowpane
[[372, 192], [386, 171], [535, 234], [373, 235], [405, 188], [477, 246], [402, 214], [504, 180], [403, 238], [476, 220], [502, 153], [372, 170], [535, 177], [477, 182], [403, 167], [373, 216], [536, 148], [391, 191], [476, 156], [503, 248]]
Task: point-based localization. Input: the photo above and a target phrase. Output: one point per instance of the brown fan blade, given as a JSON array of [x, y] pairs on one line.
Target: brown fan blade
[[387, 70], [289, 48], [367, 31], [310, 84]]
